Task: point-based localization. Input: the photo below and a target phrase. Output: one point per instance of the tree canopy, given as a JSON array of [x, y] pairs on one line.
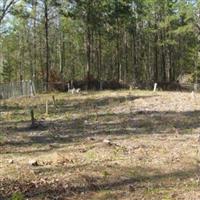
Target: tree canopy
[[122, 40]]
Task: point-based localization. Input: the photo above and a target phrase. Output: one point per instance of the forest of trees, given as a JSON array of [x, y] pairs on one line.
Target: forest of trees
[[121, 40]]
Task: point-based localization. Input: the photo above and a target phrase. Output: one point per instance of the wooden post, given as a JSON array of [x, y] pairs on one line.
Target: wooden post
[[21, 87], [54, 101], [47, 109], [96, 112], [32, 118], [31, 88], [12, 89]]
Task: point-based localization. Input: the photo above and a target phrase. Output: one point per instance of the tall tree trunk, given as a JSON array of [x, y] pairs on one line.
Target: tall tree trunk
[[164, 77], [30, 53], [88, 50], [34, 4], [156, 58], [135, 47], [61, 49], [126, 56], [47, 42], [99, 56], [118, 52]]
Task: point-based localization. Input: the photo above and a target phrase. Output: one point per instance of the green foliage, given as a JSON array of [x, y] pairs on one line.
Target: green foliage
[[7, 72], [140, 40], [17, 196]]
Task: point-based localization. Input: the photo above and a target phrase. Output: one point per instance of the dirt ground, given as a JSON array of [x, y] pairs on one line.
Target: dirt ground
[[110, 145]]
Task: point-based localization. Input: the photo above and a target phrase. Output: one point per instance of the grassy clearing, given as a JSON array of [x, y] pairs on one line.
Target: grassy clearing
[[154, 150]]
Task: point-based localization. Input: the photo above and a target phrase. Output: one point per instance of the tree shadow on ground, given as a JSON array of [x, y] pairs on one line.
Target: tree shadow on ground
[[6, 108], [74, 105], [78, 130], [97, 124]]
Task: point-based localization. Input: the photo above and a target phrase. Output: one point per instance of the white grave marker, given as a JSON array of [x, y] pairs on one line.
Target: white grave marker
[[155, 87]]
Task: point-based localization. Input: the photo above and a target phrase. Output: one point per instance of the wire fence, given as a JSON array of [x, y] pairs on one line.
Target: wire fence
[[16, 89], [30, 88]]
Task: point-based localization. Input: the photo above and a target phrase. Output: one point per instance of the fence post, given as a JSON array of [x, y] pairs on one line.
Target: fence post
[[195, 87], [27, 88], [12, 89], [21, 87], [32, 119], [31, 88], [47, 108]]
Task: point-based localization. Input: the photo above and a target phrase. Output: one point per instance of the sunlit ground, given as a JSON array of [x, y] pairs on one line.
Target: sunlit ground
[[101, 145]]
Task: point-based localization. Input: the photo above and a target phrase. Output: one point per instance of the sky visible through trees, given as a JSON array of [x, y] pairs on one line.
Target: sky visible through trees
[[121, 40]]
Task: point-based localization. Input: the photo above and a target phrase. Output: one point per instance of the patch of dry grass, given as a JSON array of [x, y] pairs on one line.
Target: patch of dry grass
[[153, 151]]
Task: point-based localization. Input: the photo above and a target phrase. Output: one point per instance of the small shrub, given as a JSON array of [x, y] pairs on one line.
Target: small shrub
[[17, 196]]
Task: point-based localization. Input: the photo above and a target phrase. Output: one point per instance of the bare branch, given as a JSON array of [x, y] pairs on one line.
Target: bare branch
[[6, 8]]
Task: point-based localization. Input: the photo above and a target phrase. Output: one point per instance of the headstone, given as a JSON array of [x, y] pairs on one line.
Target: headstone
[[155, 87], [11, 161], [106, 141], [78, 90], [33, 162], [73, 90]]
